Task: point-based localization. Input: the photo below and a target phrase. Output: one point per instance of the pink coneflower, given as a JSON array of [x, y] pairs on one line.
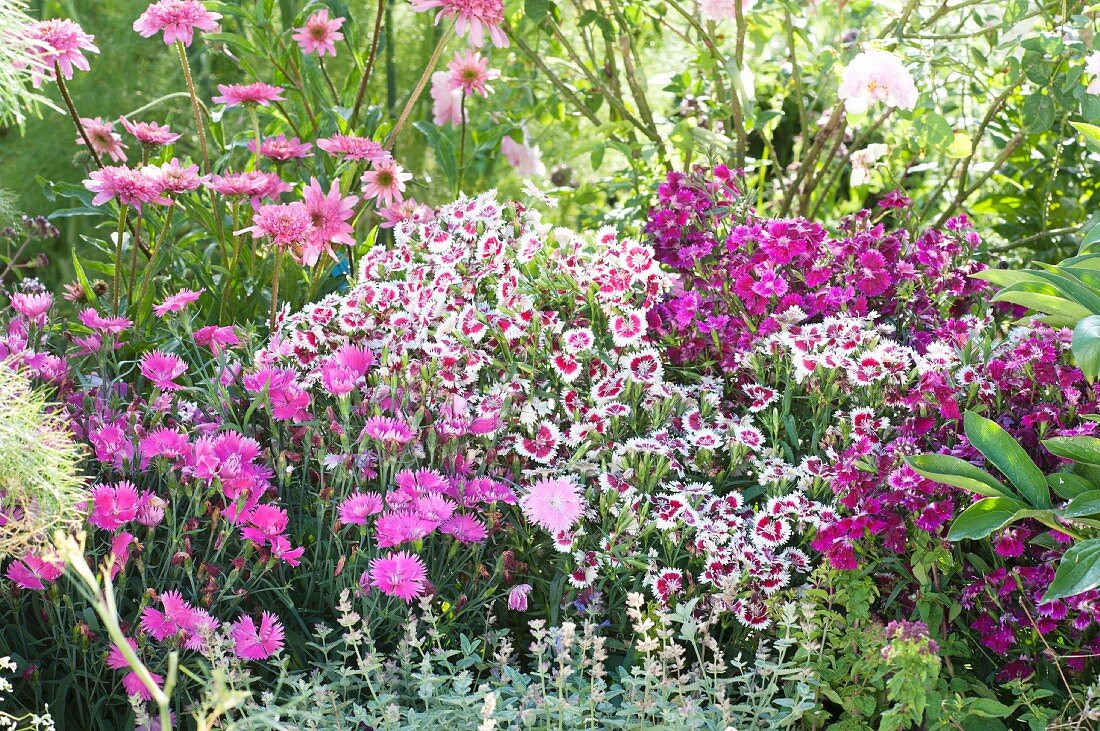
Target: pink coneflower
[[257, 643], [216, 338], [400, 574], [257, 93], [353, 147], [131, 187], [256, 184], [162, 369], [465, 528], [57, 41], [96, 321], [405, 210], [32, 306], [178, 19], [320, 34], [470, 72], [281, 149], [554, 504], [385, 182], [149, 133], [446, 100], [103, 137], [286, 224], [524, 157], [472, 18], [330, 213], [385, 429], [176, 302], [517, 597], [359, 506], [173, 177], [31, 572]]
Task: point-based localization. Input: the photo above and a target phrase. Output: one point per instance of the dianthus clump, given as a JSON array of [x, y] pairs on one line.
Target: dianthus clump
[[41, 489]]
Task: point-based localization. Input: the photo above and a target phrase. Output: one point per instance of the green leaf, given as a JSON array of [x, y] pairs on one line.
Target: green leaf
[[959, 473], [1009, 457], [1079, 571], [444, 151], [1087, 503], [1090, 132], [1067, 485], [984, 517], [989, 708], [536, 10], [1038, 113], [1085, 450], [1086, 346]]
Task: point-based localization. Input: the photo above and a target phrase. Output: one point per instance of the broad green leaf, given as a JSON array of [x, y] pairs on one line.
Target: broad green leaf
[[1005, 277], [1086, 346], [1087, 503], [444, 151], [1079, 571], [1067, 485], [536, 10], [984, 517], [1085, 450], [1039, 113], [959, 473], [1050, 304], [1009, 457], [1070, 287], [1090, 132]]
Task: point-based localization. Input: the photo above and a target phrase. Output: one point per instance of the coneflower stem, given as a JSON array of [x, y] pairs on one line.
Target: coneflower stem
[[72, 113], [194, 105], [116, 296], [145, 278], [275, 287], [328, 80], [379, 14], [462, 148], [419, 88]]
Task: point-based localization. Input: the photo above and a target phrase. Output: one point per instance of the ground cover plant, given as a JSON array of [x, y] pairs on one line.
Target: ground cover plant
[[529, 364]]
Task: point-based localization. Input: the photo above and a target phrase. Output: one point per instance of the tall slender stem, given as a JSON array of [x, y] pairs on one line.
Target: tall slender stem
[[76, 117], [117, 284], [199, 128], [462, 148], [147, 276], [275, 287], [328, 79], [361, 94], [419, 88], [256, 135]]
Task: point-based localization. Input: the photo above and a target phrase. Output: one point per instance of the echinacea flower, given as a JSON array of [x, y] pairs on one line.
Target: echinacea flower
[[129, 186], [257, 93], [177, 301], [286, 224], [329, 213], [525, 158], [385, 182], [257, 643], [446, 100], [60, 42], [280, 149], [162, 369], [320, 34], [400, 574], [359, 506], [173, 177], [470, 72], [553, 503], [179, 19], [105, 141], [876, 76], [149, 133], [353, 147], [472, 18]]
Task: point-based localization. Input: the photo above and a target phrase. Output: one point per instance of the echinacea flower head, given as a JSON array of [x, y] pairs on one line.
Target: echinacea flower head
[[280, 149], [385, 182], [162, 369], [286, 224], [173, 177], [179, 19], [359, 506], [256, 184], [176, 302], [149, 133], [105, 141], [473, 18], [470, 72], [876, 76], [129, 186], [400, 575], [330, 213], [320, 34], [353, 147], [61, 42], [446, 100], [257, 643], [554, 504], [257, 93], [524, 157]]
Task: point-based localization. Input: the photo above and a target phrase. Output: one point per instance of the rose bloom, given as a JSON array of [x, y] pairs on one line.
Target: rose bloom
[[257, 93], [876, 76], [178, 19], [58, 41], [320, 34]]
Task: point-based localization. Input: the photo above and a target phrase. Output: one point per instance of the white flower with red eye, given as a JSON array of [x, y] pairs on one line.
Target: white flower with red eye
[[563, 541], [770, 531], [507, 286], [798, 560], [748, 436], [609, 388], [566, 366], [813, 466], [471, 326], [752, 614], [775, 580], [615, 410], [866, 425], [489, 248], [577, 340], [543, 446], [577, 434], [804, 366], [705, 438], [645, 367], [583, 576], [528, 247], [627, 329], [667, 510], [761, 397], [638, 260], [614, 483], [693, 420]]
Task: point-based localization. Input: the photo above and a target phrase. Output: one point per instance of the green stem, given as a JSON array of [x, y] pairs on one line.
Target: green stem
[[199, 128], [461, 148], [145, 278], [76, 117], [256, 135], [275, 288], [419, 88], [328, 80], [361, 94], [117, 284]]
